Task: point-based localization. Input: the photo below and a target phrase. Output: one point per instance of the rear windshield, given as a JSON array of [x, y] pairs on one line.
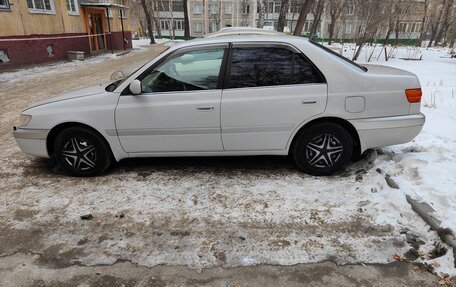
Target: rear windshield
[[339, 56]]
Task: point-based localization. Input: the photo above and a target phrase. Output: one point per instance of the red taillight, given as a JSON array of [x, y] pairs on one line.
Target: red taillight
[[413, 95]]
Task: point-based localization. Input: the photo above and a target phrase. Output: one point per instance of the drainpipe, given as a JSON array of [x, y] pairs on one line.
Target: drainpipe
[[109, 29], [123, 32]]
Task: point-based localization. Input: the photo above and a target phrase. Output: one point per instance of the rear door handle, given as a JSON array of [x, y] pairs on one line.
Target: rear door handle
[[310, 102], [204, 108]]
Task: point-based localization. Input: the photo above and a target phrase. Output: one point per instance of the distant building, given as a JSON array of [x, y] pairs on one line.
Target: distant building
[[207, 16], [39, 31]]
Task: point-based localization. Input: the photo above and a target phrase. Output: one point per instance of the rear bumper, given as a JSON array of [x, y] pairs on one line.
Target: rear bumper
[[32, 141], [377, 132]]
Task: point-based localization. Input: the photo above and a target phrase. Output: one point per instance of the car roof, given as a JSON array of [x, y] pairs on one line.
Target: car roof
[[278, 38], [231, 31]]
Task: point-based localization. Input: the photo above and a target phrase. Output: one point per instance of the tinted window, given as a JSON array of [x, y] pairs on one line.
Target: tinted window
[[195, 70], [270, 66]]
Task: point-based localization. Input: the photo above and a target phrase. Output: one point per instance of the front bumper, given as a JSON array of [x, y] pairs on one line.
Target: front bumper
[[378, 132], [32, 141]]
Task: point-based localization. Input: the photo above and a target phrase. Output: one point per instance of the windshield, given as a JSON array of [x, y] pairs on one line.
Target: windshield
[[111, 87], [339, 56]]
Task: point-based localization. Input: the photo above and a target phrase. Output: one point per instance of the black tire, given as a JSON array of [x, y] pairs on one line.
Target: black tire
[[82, 152], [322, 149]]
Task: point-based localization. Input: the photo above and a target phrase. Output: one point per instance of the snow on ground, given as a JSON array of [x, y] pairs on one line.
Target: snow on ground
[[425, 168], [231, 212]]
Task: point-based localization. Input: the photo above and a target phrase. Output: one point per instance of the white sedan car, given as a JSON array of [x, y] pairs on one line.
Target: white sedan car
[[230, 96]]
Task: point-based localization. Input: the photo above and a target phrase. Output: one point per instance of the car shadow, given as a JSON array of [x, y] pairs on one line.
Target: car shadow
[[235, 164]]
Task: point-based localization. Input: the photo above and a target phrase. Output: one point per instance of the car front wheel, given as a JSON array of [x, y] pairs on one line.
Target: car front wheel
[[82, 152], [323, 149]]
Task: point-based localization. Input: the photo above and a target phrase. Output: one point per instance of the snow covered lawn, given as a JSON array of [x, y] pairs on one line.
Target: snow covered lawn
[[204, 212]]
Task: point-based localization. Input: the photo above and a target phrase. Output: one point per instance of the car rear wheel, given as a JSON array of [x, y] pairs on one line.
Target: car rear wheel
[[82, 152], [323, 149]]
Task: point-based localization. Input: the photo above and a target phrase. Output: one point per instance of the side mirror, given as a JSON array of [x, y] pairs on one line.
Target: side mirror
[[135, 87]]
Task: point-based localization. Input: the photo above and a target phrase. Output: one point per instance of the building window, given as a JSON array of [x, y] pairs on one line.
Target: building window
[[4, 56], [41, 6], [245, 9], [228, 9], [213, 27], [198, 28], [276, 7], [177, 6], [164, 24], [72, 7], [350, 10], [197, 8], [122, 12], [307, 26], [178, 24], [213, 8], [348, 29], [4, 5]]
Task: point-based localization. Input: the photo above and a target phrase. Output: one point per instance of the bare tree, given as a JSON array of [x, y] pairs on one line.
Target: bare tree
[[317, 17], [446, 20], [261, 12], [149, 21], [436, 22], [371, 14], [305, 9], [424, 27], [284, 4], [245, 11], [336, 7]]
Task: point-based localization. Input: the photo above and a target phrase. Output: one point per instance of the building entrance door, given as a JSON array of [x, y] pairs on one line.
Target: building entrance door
[[96, 30]]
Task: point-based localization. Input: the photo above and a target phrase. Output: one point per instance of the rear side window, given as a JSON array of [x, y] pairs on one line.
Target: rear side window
[[270, 66]]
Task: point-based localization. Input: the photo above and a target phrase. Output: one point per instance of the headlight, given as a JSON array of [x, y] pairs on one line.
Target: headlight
[[23, 120]]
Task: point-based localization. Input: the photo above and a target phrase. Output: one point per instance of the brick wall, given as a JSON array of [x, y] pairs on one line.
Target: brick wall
[[29, 52], [117, 41]]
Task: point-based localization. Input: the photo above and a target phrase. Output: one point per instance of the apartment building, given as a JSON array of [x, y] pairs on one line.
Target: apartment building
[[208, 16], [39, 31]]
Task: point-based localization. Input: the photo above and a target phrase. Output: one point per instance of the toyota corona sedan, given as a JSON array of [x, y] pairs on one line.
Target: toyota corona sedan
[[230, 96]]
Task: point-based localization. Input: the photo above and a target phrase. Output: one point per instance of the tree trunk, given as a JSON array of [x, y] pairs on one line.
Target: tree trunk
[[305, 9], [317, 18], [149, 22], [420, 40], [156, 18], [186, 21], [331, 31], [358, 52], [282, 15], [436, 25], [446, 21]]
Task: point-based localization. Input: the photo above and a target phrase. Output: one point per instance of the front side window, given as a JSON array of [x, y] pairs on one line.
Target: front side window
[[270, 66], [4, 5], [190, 71], [41, 6]]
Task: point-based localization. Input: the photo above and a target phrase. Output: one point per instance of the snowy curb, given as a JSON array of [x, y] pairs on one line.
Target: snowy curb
[[425, 211]]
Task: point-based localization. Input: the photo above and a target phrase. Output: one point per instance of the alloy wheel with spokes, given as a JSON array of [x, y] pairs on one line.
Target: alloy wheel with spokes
[[322, 149], [82, 151], [80, 154]]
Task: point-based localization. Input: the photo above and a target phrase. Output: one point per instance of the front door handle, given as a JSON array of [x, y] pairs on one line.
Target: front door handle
[[205, 108]]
